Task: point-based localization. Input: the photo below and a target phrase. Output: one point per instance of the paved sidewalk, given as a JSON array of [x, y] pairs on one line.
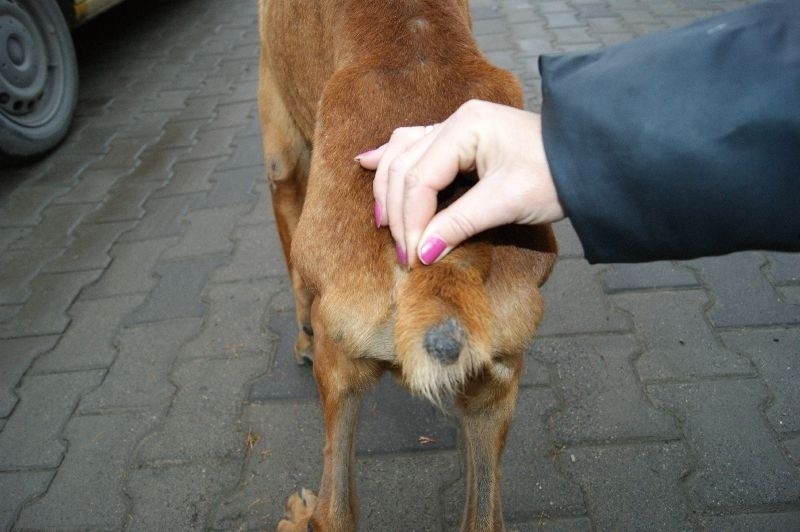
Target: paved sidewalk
[[146, 380]]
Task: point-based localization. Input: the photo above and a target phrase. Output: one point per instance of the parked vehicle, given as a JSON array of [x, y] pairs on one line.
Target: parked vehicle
[[39, 72]]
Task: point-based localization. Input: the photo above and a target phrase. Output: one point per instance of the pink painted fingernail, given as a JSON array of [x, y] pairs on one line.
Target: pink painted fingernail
[[358, 157], [402, 258], [432, 249], [377, 214]]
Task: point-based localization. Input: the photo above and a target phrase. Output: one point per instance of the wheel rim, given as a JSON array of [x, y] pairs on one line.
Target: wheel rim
[[31, 63]]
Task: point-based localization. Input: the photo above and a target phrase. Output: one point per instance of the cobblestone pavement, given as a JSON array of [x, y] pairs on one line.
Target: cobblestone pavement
[[146, 380]]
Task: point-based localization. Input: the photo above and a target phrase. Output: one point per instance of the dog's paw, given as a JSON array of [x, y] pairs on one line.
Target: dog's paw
[[298, 512]]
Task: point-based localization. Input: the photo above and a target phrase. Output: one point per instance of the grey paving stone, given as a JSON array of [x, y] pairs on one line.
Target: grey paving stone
[[231, 187], [534, 372], [16, 356], [94, 467], [9, 235], [403, 492], [232, 114], [392, 421], [594, 10], [286, 457], [792, 445], [125, 202], [776, 354], [139, 376], [575, 35], [731, 471], [554, 6], [790, 294], [633, 487], [563, 19], [208, 231], [285, 380], [754, 521], [92, 187], [131, 269], [191, 177], [494, 42], [18, 268], [146, 125], [613, 39], [253, 127], [235, 324], [248, 152], [32, 435], [89, 249], [178, 497], [243, 91], [504, 59], [62, 168], [678, 343], [609, 25], [17, 489], [569, 245], [168, 100], [55, 229], [764, 306], [257, 254], [88, 342], [8, 311], [203, 420], [122, 153], [662, 274], [261, 212], [575, 302], [24, 206], [178, 134], [216, 85], [212, 143], [177, 294], [93, 139], [602, 395], [547, 524], [527, 456], [534, 46], [198, 109], [784, 267], [44, 312], [156, 165], [163, 217], [639, 16]]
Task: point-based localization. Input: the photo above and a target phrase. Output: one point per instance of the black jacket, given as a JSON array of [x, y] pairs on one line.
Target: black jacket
[[681, 143]]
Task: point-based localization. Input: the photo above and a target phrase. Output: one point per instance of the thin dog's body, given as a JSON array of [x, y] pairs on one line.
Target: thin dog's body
[[340, 76]]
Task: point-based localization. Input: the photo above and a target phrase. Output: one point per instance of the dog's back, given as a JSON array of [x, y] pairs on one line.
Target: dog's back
[[351, 72]]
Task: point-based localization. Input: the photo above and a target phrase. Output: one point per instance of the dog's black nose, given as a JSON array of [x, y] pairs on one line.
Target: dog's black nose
[[444, 341]]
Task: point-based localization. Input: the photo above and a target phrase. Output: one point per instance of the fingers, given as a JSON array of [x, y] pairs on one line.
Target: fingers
[[479, 209], [410, 170], [392, 162], [503, 144]]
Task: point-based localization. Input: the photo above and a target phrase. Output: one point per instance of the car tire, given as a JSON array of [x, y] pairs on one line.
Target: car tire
[[38, 78]]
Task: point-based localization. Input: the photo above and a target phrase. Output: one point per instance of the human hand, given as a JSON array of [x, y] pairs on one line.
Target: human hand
[[503, 144]]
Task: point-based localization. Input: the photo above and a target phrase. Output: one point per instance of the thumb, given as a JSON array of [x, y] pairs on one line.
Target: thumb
[[479, 209]]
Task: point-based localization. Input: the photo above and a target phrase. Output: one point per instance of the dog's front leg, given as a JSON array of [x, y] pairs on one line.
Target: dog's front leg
[[487, 407]]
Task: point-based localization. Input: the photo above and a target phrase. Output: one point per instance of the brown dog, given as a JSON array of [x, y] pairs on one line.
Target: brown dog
[[337, 77]]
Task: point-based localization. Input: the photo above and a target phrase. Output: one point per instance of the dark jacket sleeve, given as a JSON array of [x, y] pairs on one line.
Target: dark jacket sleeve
[[682, 143]]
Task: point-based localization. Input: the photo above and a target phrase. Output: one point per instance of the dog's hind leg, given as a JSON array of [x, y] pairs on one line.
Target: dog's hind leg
[[487, 405], [286, 159], [341, 381]]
